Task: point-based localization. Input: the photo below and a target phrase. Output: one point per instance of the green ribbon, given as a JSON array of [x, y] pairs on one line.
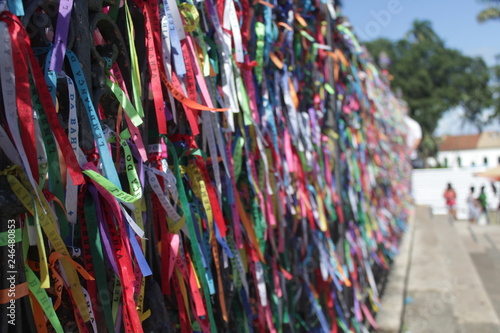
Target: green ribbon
[[98, 260], [4, 237], [198, 265], [260, 32], [56, 184]]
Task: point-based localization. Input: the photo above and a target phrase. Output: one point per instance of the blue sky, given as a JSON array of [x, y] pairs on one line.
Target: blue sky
[[454, 21]]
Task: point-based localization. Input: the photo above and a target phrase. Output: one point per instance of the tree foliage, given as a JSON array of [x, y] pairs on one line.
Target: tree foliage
[[495, 82], [492, 12], [434, 79]]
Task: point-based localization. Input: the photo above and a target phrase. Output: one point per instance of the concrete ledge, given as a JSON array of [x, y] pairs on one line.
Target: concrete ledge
[[390, 316]]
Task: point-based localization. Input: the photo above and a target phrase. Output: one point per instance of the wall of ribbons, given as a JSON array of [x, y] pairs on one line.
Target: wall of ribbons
[[207, 166]]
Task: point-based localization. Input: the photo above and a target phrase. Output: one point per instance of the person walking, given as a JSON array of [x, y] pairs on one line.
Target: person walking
[[472, 206], [484, 204], [450, 196], [495, 194]]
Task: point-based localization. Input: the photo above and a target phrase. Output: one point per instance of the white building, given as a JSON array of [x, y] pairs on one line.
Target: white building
[[461, 158], [470, 150], [428, 186]]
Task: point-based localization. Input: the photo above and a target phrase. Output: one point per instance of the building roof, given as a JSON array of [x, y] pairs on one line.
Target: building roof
[[489, 140], [474, 141], [459, 142]]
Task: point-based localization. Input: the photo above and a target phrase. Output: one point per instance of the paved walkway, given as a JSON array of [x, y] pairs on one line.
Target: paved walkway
[[483, 246], [448, 277]]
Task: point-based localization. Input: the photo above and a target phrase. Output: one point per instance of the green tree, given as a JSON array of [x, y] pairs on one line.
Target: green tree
[[495, 82], [490, 13], [476, 93], [434, 79], [421, 31]]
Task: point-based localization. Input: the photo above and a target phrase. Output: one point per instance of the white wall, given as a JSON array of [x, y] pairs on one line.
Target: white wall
[[428, 186], [469, 156]]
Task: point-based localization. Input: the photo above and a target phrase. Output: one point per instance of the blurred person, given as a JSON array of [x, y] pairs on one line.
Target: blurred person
[[450, 196], [483, 202], [472, 205], [495, 192]]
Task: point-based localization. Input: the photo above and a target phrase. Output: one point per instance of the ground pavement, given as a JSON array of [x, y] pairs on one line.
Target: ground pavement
[[445, 280]]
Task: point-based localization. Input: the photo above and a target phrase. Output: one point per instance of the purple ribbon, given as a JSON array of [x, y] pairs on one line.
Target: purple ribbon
[[104, 232], [61, 36]]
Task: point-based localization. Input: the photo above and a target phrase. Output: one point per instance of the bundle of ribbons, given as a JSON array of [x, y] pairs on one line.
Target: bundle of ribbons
[[207, 166]]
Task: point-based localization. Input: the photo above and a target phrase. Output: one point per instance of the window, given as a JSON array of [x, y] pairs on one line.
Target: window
[[485, 160], [446, 162], [459, 161]]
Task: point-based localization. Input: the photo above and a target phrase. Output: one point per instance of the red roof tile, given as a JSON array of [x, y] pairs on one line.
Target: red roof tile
[[459, 142]]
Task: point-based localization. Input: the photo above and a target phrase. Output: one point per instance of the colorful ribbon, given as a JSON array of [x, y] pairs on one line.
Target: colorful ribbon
[[249, 171]]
